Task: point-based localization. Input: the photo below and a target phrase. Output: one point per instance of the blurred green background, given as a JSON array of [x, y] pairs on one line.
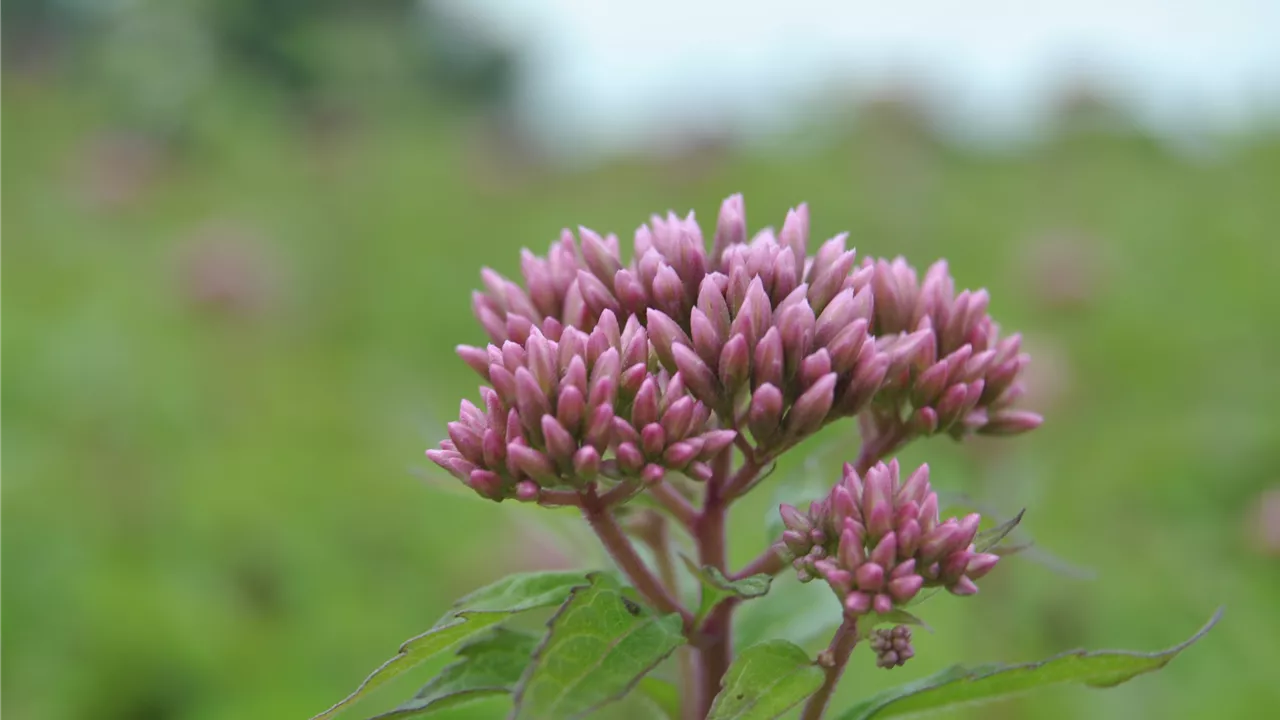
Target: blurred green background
[[239, 240]]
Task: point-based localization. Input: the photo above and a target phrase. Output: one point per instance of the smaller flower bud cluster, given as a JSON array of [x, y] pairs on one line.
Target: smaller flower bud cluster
[[556, 409], [877, 542], [952, 372], [892, 646]]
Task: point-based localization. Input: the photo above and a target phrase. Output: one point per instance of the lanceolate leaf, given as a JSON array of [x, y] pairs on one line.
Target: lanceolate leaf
[[489, 666], [601, 642], [988, 539], [473, 614], [717, 587], [765, 681], [958, 686]]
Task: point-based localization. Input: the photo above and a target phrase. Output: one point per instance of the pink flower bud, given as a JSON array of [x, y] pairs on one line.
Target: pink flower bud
[[679, 455], [706, 340], [886, 551], [665, 333], [486, 483], [699, 471], [652, 439], [644, 409], [980, 564], [810, 409], [467, 441], [629, 456], [598, 257], [795, 235], [586, 463], [560, 443], [532, 463], [652, 474], [845, 347], [599, 428], [793, 519], [735, 364], [857, 603], [869, 576], [714, 441], [632, 378], [813, 367], [476, 358], [570, 409], [765, 413], [668, 291], [527, 491], [1011, 422], [731, 227], [768, 366], [699, 378]]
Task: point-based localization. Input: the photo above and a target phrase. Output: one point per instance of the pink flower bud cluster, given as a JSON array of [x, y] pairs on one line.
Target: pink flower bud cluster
[[877, 541], [577, 282], [892, 646], [953, 372], [561, 413], [757, 335]]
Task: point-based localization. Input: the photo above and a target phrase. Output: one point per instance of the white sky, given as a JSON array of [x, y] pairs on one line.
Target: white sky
[[611, 74]]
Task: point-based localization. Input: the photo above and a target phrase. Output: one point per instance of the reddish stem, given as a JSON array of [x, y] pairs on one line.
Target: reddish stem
[[620, 549], [767, 563], [680, 508], [880, 445], [709, 533], [833, 661]]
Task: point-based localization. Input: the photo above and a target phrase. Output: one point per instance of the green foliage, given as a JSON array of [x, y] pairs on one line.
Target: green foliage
[[600, 643], [716, 587], [957, 686], [473, 614], [491, 665], [765, 681]]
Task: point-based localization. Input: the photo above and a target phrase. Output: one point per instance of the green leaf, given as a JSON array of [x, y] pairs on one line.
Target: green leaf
[[717, 587], [664, 695], [897, 616], [491, 665], [958, 686], [471, 615], [765, 681], [988, 539], [601, 642]]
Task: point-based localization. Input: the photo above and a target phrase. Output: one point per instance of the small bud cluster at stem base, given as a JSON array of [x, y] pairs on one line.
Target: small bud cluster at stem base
[[611, 374]]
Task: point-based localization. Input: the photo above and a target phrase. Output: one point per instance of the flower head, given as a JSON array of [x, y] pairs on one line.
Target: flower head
[[559, 414], [878, 541], [951, 371]]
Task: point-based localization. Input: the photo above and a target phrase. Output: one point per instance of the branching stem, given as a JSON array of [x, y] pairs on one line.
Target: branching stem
[[833, 661]]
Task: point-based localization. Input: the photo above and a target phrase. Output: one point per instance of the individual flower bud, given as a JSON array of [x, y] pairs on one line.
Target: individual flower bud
[[768, 367], [665, 333], [795, 236], [735, 364], [811, 408], [701, 381], [765, 413]]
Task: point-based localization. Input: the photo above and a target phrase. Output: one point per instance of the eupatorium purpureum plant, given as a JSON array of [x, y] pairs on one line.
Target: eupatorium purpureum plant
[[650, 390]]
